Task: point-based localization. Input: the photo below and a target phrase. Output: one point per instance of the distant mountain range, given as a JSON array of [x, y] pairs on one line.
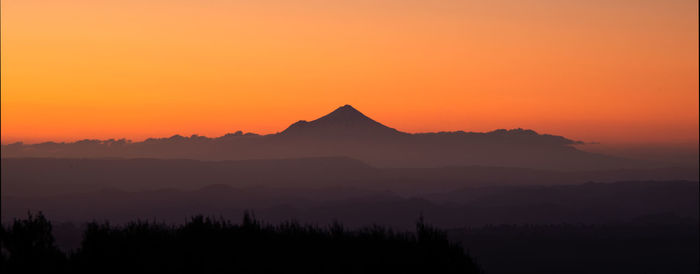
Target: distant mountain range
[[48, 176], [349, 133]]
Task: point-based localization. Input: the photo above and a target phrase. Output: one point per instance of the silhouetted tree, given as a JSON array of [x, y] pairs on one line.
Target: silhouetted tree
[[28, 247]]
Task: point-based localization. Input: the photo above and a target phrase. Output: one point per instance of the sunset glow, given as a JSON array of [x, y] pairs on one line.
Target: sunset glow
[[598, 71]]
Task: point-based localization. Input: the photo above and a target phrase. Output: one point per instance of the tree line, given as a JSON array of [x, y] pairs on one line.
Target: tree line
[[214, 245]]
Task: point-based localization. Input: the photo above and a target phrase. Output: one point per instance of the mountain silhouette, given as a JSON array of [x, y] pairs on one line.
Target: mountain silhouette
[[344, 122], [346, 132]]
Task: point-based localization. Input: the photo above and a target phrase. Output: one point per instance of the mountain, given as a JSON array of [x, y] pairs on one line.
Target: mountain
[[347, 132], [344, 122]]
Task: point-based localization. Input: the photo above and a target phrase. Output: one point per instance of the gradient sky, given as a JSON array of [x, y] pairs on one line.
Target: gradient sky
[[616, 72]]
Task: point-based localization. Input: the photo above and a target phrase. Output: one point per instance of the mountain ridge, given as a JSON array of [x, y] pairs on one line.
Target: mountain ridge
[[348, 132]]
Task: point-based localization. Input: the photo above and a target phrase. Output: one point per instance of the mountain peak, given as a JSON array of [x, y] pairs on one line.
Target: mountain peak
[[346, 108], [345, 120], [346, 113]]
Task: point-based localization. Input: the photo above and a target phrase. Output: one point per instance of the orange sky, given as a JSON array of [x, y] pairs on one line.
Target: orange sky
[[600, 71]]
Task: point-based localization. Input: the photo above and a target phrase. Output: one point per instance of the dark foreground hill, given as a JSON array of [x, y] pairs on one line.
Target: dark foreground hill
[[204, 245], [553, 248], [349, 133], [582, 249]]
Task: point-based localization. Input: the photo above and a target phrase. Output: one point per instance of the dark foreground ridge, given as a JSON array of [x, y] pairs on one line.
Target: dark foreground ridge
[[206, 245]]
